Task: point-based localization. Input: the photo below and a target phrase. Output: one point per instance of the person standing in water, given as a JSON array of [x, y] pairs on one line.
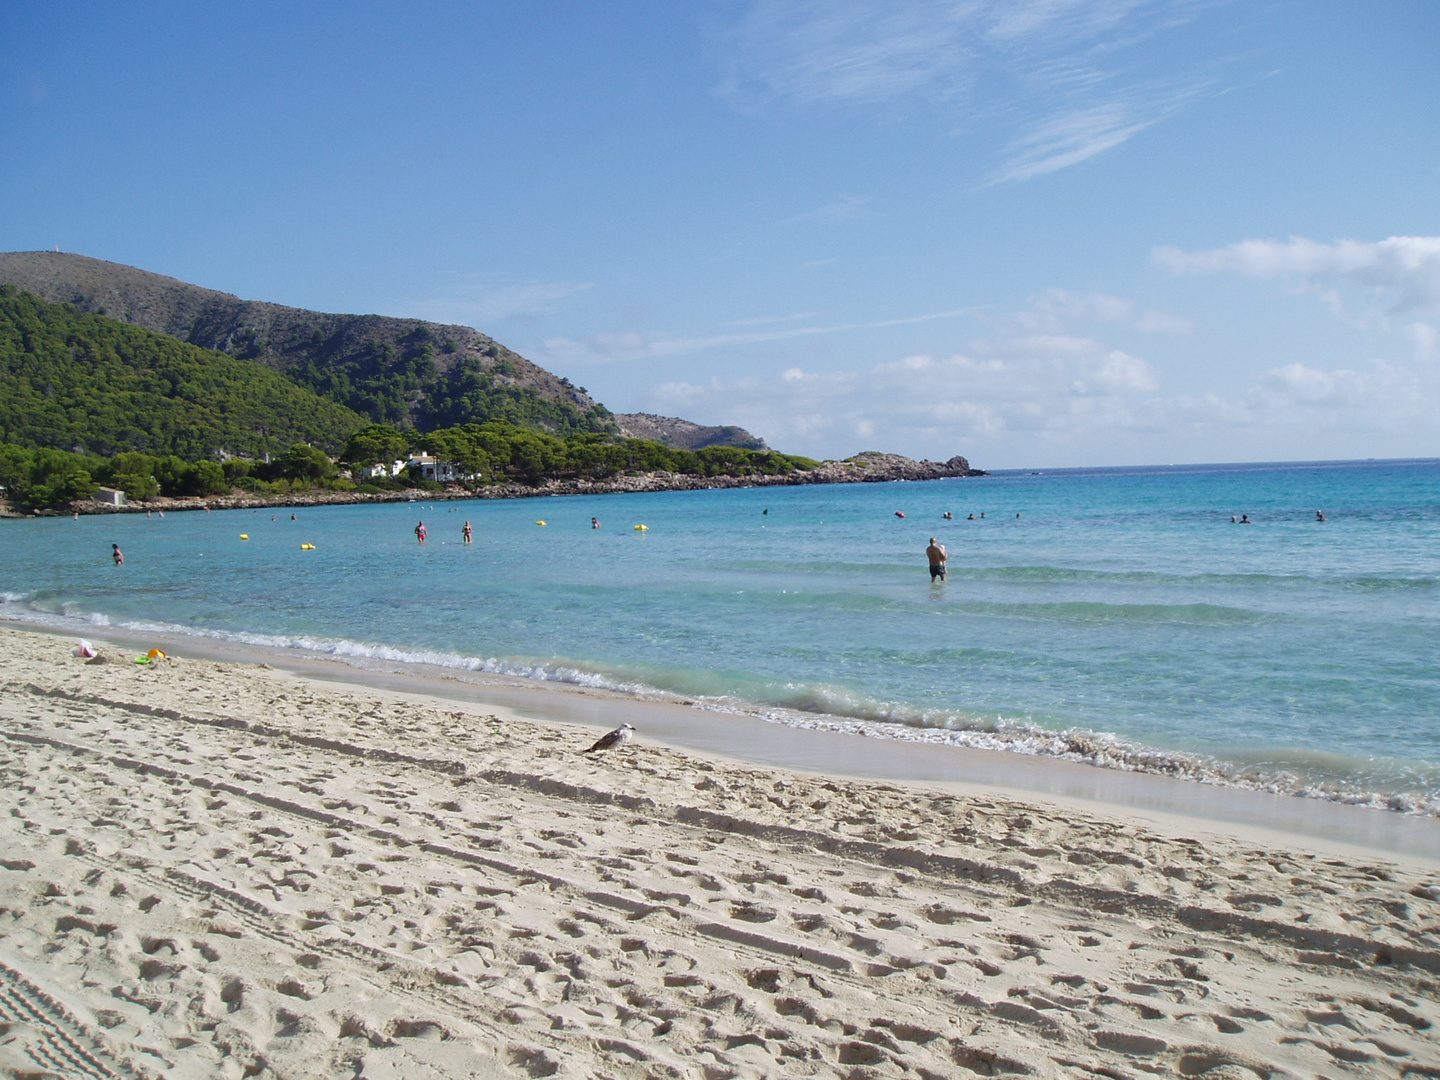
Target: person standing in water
[[594, 523], [420, 532], [117, 555], [937, 555], [468, 532]]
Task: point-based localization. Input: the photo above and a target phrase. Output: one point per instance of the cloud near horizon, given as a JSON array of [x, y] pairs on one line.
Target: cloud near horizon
[[1041, 391], [1400, 274]]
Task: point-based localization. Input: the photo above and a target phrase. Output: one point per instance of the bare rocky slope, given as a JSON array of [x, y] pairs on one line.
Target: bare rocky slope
[[406, 372], [685, 434]]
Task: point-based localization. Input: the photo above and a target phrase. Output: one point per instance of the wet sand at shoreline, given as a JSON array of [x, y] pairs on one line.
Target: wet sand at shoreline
[[216, 869], [1168, 802]]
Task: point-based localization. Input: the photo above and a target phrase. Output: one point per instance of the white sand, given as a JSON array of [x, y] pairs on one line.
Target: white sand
[[220, 871]]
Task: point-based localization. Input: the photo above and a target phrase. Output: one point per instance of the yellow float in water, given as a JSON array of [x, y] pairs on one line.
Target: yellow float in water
[[642, 528], [542, 523], [307, 547], [244, 536]]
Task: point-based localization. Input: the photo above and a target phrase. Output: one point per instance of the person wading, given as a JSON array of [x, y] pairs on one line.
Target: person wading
[[937, 556]]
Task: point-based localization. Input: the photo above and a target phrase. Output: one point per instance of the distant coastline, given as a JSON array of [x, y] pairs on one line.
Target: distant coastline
[[867, 468]]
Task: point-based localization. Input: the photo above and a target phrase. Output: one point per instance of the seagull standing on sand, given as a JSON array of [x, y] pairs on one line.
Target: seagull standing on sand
[[611, 739]]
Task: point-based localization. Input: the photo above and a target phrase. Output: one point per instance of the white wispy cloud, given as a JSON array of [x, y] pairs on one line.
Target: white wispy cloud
[[633, 345], [480, 304], [771, 320], [845, 51], [1069, 139], [1401, 273], [842, 209], [1423, 338], [1060, 74], [1055, 310]]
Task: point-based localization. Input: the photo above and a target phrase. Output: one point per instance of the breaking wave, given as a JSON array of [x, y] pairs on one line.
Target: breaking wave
[[812, 707]]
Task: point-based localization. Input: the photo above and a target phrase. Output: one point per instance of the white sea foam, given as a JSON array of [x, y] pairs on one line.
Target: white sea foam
[[812, 708]]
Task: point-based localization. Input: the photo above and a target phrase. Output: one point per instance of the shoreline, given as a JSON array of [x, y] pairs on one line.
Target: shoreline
[[1229, 810], [214, 869], [871, 468]]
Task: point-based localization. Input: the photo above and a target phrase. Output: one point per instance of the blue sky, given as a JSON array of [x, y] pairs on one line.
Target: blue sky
[[1034, 232]]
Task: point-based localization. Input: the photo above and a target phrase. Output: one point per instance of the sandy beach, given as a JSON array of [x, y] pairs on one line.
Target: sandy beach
[[223, 870]]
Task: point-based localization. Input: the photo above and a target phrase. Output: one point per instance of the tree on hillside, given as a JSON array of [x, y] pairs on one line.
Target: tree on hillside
[[303, 462], [373, 445], [44, 479]]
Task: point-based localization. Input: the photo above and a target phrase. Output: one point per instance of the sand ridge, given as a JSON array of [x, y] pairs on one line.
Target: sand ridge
[[214, 870]]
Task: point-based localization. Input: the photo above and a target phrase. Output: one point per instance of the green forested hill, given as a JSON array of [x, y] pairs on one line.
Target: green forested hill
[[406, 372], [413, 374], [74, 381]]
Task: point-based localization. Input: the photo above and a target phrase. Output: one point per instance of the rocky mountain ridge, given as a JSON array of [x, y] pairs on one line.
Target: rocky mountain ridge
[[407, 372], [685, 434]]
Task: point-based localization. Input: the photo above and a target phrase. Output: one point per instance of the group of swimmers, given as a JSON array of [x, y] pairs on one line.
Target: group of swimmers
[[468, 532], [1244, 519]]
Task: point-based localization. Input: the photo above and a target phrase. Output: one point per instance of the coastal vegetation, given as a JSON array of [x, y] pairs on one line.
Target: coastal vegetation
[[501, 451], [45, 479], [40, 478], [93, 384], [89, 401]]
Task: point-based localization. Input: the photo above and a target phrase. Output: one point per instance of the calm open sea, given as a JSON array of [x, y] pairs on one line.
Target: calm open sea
[[1108, 615]]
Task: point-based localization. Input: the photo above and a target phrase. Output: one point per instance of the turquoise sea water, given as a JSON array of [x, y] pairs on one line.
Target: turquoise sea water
[[1120, 619]]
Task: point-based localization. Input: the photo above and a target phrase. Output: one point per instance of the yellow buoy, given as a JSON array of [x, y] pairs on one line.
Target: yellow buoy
[[307, 547], [642, 528], [541, 523], [244, 536]]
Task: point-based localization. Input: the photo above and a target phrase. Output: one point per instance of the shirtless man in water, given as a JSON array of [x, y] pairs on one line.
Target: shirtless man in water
[[937, 556]]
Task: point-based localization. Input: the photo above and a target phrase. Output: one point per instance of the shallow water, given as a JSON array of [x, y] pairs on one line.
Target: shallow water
[[1121, 619]]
